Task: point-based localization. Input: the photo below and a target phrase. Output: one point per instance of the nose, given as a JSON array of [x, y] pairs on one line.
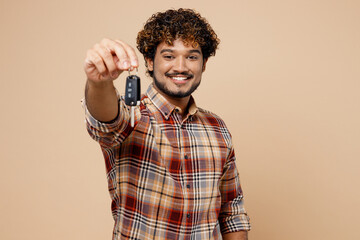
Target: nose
[[180, 65]]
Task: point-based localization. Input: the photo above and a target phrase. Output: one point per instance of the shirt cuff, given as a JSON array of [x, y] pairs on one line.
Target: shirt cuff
[[235, 223]]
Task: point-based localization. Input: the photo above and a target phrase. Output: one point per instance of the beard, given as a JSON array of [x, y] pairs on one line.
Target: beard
[[175, 94]]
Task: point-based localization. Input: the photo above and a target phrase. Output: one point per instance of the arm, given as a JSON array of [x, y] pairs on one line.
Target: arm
[[101, 100], [241, 235], [103, 64], [233, 216]]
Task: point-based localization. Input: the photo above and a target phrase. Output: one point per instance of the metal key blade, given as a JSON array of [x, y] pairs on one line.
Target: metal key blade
[[132, 117]]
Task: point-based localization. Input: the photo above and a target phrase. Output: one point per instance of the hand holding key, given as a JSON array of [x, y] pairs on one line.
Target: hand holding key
[[108, 59], [104, 62]]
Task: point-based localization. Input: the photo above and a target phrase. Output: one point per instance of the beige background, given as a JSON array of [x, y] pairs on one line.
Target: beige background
[[286, 80]]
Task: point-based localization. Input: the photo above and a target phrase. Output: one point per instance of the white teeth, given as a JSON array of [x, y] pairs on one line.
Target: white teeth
[[179, 78]]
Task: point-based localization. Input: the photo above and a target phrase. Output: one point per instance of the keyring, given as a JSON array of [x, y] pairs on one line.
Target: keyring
[[129, 70]]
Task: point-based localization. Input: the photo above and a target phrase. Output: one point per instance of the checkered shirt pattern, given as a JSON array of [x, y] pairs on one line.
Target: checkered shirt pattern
[[168, 177]]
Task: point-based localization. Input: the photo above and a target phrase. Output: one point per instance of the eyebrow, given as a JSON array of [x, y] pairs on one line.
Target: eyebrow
[[171, 51]]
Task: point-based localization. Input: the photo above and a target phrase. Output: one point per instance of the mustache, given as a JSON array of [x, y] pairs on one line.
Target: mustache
[[186, 74]]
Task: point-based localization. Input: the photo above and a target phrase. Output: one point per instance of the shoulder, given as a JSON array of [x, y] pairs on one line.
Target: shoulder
[[210, 118], [213, 118], [217, 125]]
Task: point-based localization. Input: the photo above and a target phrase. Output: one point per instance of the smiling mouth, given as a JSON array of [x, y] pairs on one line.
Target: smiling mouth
[[183, 77], [180, 78]]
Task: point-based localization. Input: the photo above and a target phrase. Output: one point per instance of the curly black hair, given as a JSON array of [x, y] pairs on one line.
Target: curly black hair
[[170, 25]]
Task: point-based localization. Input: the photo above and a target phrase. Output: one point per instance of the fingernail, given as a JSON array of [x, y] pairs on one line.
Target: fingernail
[[126, 64]]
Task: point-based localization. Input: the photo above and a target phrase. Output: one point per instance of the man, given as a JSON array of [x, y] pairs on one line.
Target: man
[[172, 175]]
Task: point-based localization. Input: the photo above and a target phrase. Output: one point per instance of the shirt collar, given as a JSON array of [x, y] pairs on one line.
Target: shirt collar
[[164, 106]]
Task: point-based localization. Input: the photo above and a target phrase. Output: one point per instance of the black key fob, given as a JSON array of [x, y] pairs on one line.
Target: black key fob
[[132, 90]]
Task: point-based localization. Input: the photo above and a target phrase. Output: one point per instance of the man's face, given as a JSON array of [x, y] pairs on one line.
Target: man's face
[[177, 69]]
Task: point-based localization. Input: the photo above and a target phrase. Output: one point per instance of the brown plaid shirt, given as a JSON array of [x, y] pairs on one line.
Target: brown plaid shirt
[[168, 177]]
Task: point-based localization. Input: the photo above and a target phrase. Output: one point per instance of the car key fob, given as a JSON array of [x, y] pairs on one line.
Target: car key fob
[[132, 94]]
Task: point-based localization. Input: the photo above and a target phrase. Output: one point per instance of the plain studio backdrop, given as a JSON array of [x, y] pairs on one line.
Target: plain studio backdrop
[[286, 80]]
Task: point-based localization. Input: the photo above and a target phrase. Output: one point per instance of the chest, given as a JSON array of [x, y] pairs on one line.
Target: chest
[[188, 148]]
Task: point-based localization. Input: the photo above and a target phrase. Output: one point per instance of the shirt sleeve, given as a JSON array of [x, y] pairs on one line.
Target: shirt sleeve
[[233, 216], [111, 133]]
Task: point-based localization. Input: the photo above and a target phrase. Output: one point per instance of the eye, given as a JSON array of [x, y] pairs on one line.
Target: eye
[[168, 57], [193, 57]]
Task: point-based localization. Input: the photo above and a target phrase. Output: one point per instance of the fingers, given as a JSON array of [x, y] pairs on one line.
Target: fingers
[[109, 58], [94, 59], [131, 59], [125, 54]]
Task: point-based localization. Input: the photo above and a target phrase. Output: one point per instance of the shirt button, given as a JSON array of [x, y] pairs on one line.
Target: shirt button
[[188, 215], [188, 186], [186, 157]]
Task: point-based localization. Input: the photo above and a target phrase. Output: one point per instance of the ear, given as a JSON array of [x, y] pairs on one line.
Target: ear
[[204, 65], [150, 64]]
